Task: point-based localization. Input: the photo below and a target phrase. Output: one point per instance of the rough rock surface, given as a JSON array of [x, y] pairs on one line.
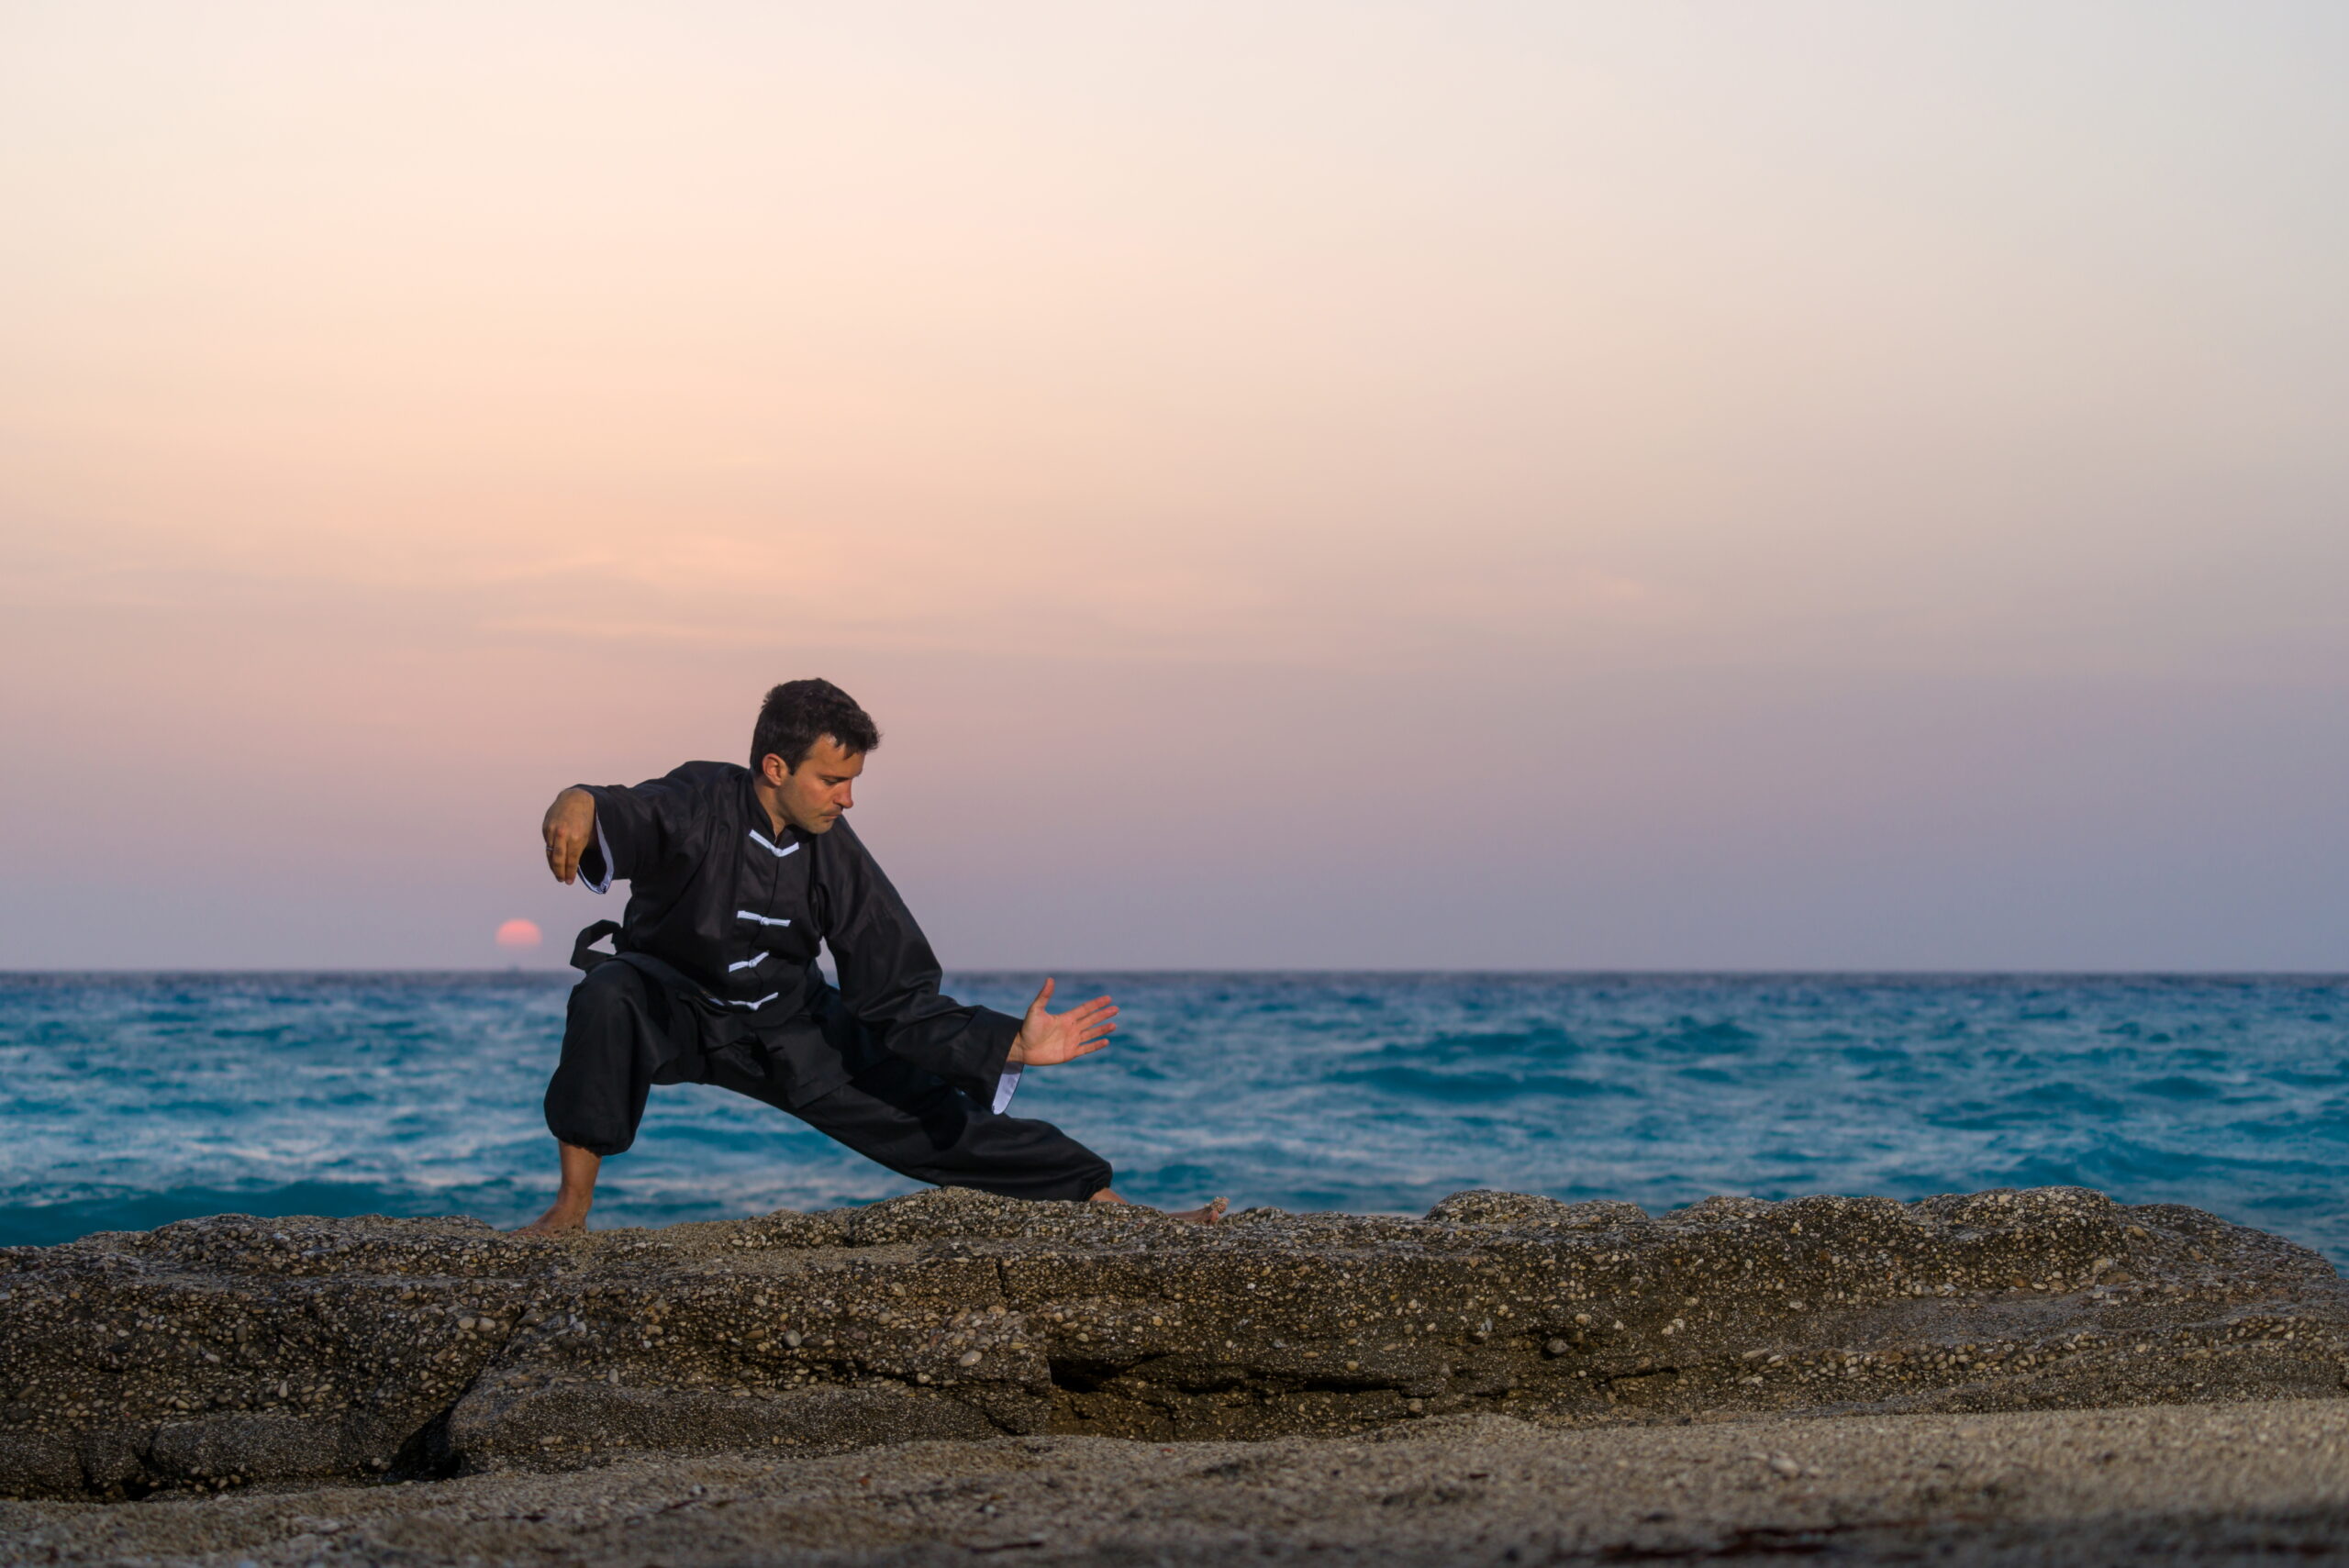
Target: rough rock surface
[[229, 1350], [2243, 1483]]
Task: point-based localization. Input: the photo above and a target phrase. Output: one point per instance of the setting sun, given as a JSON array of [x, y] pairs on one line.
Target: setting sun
[[518, 934]]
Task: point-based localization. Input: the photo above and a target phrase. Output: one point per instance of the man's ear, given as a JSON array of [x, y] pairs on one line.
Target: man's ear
[[770, 769]]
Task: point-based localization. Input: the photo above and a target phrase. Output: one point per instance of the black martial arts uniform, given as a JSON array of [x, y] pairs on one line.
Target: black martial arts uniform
[[715, 982]]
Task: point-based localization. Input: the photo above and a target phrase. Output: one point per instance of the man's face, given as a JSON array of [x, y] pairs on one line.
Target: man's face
[[812, 796]]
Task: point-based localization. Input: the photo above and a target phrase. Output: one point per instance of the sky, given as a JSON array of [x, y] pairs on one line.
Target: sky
[[1476, 484]]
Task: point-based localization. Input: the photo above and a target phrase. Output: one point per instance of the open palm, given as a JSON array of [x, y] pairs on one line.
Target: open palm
[[1046, 1037]]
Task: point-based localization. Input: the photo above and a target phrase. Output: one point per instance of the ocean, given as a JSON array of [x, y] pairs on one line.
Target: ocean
[[128, 1101]]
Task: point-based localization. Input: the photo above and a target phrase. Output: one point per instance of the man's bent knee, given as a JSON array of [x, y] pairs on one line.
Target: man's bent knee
[[607, 994], [596, 1095]]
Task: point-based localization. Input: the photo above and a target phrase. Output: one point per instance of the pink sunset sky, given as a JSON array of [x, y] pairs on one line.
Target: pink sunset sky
[[1464, 485]]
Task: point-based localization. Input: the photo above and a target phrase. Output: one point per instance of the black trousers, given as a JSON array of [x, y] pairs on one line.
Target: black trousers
[[626, 1032]]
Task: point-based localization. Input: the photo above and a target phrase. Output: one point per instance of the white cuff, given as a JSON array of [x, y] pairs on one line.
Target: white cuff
[[1005, 1087], [604, 848]]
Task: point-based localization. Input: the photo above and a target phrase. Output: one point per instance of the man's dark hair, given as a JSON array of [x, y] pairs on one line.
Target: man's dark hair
[[797, 714]]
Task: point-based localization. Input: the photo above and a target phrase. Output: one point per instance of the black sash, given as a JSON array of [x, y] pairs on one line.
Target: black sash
[[584, 959]]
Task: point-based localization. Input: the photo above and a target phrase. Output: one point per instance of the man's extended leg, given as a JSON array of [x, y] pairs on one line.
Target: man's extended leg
[[920, 1126], [620, 1036]]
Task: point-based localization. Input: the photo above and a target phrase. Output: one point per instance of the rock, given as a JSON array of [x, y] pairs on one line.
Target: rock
[[221, 1351], [1483, 1206], [578, 1424]]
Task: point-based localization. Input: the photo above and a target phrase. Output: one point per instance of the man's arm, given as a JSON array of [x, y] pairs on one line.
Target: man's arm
[[596, 832], [889, 977]]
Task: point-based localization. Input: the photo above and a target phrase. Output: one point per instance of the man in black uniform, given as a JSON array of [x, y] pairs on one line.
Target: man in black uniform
[[735, 874]]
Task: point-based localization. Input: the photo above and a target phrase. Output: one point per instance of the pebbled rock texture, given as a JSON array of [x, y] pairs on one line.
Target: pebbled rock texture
[[226, 1350]]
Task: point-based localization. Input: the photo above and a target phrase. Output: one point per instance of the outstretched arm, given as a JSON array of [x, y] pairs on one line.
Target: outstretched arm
[[568, 830], [1046, 1037]]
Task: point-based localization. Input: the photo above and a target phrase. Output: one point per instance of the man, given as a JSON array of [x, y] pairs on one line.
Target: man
[[735, 876]]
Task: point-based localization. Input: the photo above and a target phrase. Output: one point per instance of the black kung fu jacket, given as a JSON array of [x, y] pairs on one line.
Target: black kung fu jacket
[[729, 916]]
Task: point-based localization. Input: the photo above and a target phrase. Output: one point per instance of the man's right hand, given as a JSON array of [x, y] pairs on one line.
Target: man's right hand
[[569, 828]]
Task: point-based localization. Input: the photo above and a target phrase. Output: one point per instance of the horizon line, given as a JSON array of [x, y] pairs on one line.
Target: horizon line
[[1729, 971]]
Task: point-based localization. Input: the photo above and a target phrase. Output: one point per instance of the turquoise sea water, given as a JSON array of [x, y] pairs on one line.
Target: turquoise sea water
[[126, 1101]]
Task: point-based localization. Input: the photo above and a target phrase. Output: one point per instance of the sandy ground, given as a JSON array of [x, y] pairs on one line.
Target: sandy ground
[[2262, 1482]]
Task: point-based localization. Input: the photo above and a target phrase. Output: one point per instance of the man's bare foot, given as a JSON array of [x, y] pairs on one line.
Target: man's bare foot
[[562, 1218], [573, 1197], [1207, 1213]]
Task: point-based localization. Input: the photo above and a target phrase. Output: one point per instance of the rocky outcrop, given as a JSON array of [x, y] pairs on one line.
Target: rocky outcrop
[[229, 1350]]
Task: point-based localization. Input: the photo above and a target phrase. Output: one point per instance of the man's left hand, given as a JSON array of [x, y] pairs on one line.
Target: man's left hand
[[1047, 1038]]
